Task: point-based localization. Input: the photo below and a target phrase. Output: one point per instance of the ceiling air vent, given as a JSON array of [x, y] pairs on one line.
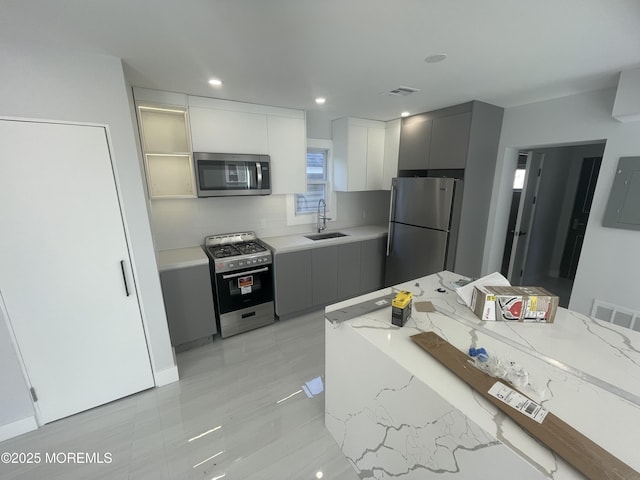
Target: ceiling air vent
[[403, 91]]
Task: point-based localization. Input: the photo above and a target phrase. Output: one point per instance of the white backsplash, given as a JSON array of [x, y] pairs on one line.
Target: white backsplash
[[185, 222]]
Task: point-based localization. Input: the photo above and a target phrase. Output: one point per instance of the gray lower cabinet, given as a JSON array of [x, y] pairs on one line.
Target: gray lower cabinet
[[349, 270], [324, 275], [293, 287], [188, 301], [372, 261]]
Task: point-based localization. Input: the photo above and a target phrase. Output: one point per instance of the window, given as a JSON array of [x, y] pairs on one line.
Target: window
[[518, 179], [317, 185]]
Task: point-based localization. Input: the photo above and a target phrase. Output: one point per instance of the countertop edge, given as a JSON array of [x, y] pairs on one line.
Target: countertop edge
[[298, 242], [176, 258]]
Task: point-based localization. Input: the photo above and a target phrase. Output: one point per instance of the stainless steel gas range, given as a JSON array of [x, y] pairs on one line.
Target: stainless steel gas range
[[242, 281]]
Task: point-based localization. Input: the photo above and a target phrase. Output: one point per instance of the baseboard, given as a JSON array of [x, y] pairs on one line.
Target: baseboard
[[167, 376], [17, 428]]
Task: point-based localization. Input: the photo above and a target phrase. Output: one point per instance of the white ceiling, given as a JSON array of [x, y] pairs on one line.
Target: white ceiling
[[287, 52]]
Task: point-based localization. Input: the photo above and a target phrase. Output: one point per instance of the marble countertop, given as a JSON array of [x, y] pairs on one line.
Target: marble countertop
[[295, 242], [181, 258], [584, 371]]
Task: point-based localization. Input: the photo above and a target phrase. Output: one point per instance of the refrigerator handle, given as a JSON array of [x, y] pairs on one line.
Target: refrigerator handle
[[392, 208]]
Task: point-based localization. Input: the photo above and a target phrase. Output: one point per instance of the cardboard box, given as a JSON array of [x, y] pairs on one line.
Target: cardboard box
[[519, 304]]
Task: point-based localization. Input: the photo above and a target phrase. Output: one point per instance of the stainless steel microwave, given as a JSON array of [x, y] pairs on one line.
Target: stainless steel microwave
[[229, 174]]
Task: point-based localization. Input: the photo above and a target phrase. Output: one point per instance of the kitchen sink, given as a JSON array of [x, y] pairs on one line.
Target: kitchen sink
[[324, 236]]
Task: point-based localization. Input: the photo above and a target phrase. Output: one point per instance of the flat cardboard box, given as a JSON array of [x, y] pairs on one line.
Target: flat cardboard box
[[514, 304]]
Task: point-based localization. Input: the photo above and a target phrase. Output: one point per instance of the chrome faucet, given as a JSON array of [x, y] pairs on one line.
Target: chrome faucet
[[323, 217]]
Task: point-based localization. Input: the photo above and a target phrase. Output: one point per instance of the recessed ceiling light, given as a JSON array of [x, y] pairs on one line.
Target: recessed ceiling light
[[320, 100], [438, 57], [405, 114], [215, 82]]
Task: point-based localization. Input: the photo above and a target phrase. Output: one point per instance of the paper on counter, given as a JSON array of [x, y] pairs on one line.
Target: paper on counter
[[492, 280], [424, 307]]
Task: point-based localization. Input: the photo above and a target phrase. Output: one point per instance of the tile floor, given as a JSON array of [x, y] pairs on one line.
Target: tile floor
[[248, 407]]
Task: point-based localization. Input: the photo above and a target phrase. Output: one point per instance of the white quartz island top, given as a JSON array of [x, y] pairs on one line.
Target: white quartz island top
[[396, 412], [298, 241], [181, 258]]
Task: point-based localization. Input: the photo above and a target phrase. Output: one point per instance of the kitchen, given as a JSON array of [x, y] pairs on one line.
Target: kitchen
[[71, 77]]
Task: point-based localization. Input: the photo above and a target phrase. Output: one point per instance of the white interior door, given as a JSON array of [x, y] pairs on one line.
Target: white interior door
[[524, 222], [64, 255]]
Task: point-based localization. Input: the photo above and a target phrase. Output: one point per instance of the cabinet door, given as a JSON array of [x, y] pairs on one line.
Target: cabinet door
[[288, 150], [375, 158], [226, 131], [293, 282], [357, 158], [372, 260], [349, 270], [188, 300], [450, 141], [325, 275], [415, 141], [66, 279]]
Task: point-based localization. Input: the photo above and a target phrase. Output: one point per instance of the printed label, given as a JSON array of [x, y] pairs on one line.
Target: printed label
[[518, 401], [245, 281]]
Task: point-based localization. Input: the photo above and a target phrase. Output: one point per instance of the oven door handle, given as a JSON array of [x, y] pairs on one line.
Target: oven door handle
[[242, 274]]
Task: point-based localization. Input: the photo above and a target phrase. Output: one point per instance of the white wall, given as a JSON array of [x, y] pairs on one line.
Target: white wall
[[609, 267], [185, 222], [53, 85]]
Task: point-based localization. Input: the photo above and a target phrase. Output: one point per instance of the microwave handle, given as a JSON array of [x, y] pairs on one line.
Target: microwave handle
[[259, 171]]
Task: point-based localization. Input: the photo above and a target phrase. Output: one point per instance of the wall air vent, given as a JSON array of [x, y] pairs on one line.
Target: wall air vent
[[403, 91]]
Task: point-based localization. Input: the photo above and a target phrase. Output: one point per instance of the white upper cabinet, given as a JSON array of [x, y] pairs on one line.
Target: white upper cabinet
[[358, 154], [227, 131], [391, 152], [172, 126], [222, 126], [375, 157], [288, 151]]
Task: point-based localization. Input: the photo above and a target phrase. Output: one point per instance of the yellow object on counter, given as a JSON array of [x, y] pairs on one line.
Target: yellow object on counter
[[401, 308], [402, 299]]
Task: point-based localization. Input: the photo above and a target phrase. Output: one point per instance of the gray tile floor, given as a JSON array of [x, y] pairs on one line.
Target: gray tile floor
[[228, 417]]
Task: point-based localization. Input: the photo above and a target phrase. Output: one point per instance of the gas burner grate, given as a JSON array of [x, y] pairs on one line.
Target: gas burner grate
[[250, 247], [224, 251]]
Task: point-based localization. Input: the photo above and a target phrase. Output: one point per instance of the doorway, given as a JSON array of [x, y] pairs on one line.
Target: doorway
[[547, 253]]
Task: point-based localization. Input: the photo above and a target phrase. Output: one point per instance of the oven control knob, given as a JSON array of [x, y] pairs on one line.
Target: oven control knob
[[240, 263], [232, 265]]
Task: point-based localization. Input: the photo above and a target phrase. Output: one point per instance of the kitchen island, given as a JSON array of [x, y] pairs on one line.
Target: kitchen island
[[396, 412]]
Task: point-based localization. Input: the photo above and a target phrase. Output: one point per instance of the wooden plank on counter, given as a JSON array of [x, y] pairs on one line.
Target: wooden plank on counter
[[579, 451]]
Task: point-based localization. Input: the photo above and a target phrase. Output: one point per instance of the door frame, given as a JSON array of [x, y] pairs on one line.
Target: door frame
[[132, 270], [529, 194]]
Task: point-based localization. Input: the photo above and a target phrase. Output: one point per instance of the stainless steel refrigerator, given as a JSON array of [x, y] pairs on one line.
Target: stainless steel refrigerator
[[424, 217]]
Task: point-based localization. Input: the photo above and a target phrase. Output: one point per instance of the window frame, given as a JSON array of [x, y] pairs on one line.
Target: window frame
[[332, 207], [324, 182]]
